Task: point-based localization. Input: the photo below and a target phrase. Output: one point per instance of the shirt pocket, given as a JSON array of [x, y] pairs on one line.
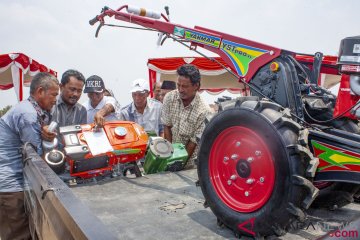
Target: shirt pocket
[[187, 128], [150, 123]]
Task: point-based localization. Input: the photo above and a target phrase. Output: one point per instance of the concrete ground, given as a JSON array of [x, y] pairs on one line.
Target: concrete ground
[[170, 206]]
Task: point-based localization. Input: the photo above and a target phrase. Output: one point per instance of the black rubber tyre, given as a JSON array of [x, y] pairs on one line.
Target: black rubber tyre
[[337, 194], [291, 194]]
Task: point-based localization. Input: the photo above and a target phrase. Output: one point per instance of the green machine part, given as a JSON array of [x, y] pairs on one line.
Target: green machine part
[[164, 156]]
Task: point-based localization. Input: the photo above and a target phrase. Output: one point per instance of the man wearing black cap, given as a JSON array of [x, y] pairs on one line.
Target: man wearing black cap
[[99, 107], [166, 86]]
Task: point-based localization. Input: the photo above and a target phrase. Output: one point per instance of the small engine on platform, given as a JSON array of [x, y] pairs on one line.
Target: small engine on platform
[[92, 152], [164, 156], [119, 146]]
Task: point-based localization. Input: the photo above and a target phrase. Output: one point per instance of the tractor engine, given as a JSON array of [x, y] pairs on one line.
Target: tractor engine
[[92, 152]]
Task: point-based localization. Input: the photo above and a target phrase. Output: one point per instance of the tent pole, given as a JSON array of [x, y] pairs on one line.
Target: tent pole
[[21, 85], [152, 81]]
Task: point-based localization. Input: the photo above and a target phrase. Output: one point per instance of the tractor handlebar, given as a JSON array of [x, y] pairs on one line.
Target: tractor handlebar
[[94, 20], [233, 49]]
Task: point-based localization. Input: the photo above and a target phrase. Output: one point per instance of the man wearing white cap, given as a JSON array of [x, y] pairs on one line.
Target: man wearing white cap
[[99, 107], [143, 110]]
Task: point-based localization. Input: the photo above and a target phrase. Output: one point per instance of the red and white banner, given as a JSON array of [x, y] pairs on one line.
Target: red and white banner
[[214, 78], [17, 70]]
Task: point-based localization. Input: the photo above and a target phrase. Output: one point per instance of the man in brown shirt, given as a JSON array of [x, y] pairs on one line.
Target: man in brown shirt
[[184, 111]]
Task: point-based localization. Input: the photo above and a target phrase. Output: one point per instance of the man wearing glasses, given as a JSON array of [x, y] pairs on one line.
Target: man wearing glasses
[[143, 110]]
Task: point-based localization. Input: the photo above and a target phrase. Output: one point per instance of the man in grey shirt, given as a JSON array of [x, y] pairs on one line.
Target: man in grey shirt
[[20, 125], [67, 110]]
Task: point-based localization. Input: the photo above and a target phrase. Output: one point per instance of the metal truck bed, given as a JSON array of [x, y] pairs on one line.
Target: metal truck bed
[[170, 206], [156, 206]]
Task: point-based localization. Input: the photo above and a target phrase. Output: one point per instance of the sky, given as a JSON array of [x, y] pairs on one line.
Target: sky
[[58, 35]]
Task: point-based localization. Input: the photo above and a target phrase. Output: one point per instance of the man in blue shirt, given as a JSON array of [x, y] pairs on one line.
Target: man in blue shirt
[[20, 125], [144, 111]]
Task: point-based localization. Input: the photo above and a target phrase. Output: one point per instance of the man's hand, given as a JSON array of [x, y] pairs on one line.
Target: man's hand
[[99, 120], [46, 135], [167, 133], [190, 147]]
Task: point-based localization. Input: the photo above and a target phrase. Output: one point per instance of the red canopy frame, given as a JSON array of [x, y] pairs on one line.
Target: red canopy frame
[[17, 70], [215, 79]]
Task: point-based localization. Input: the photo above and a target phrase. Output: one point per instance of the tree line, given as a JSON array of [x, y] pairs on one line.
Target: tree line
[[4, 110]]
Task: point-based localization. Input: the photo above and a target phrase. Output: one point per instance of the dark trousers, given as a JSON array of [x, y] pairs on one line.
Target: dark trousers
[[14, 222]]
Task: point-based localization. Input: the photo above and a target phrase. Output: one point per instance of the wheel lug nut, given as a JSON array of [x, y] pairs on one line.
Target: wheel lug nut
[[233, 177], [226, 159], [262, 179], [250, 159], [238, 144], [257, 153], [234, 156], [250, 181], [229, 182], [247, 193]]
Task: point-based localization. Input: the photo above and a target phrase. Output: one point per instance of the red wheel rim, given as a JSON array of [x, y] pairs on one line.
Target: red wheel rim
[[241, 169]]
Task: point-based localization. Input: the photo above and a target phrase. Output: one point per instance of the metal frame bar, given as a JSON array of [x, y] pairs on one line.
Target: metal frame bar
[[54, 211]]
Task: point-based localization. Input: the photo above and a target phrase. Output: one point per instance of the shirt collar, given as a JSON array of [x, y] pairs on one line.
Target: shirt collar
[[36, 105], [44, 116], [193, 102], [60, 101], [133, 108], [99, 106]]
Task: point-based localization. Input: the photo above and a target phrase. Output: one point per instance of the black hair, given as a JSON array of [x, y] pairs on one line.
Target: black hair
[[168, 85], [44, 80], [191, 72], [72, 73]]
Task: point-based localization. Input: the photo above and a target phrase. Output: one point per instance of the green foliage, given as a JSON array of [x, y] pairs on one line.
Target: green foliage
[[4, 110]]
